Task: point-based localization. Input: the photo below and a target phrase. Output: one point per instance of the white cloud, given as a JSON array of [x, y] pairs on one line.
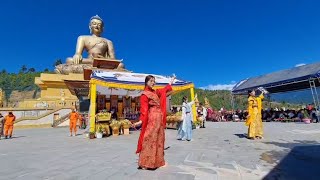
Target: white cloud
[[219, 86], [298, 65]]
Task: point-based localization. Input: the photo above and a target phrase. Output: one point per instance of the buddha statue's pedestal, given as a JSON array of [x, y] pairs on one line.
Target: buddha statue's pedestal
[[53, 86], [59, 90], [72, 68], [54, 91], [98, 63]]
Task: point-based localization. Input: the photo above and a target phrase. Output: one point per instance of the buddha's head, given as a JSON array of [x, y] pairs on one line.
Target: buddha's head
[[96, 25]]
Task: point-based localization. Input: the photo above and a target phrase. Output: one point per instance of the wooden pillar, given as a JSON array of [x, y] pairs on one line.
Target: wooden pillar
[[194, 111], [93, 96]]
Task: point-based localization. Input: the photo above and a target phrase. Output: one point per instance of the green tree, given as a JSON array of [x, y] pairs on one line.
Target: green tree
[[217, 98], [21, 81], [23, 69], [32, 70]]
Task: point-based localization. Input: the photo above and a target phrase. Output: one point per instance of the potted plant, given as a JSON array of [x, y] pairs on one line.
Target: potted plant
[[193, 125], [91, 135], [99, 132], [197, 124], [126, 124], [115, 126]]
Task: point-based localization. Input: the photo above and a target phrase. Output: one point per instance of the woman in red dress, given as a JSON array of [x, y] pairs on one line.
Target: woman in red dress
[[152, 115]]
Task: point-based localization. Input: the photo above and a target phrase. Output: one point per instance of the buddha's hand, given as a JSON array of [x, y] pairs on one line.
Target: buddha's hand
[[77, 58]]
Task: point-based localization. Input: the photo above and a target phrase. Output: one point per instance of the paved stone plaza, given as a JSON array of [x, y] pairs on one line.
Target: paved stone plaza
[[220, 151]]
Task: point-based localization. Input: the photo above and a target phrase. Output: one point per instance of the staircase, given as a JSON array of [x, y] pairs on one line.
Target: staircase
[[46, 119], [60, 120], [41, 116]]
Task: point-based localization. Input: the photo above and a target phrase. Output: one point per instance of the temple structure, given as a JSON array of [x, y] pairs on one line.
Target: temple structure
[[98, 84]]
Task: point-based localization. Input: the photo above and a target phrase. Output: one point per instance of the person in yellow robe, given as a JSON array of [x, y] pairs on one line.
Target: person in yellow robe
[[252, 117], [259, 124]]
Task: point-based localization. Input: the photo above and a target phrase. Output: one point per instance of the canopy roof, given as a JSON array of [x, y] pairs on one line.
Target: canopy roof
[[131, 84], [282, 81]]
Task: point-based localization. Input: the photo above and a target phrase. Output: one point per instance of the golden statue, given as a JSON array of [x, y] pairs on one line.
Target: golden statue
[[94, 44], [2, 98], [196, 101]]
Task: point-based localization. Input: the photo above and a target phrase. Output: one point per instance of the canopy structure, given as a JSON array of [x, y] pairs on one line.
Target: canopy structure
[[127, 84], [297, 78]]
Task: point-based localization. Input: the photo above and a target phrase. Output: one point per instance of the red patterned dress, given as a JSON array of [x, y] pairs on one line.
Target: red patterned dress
[[152, 137]]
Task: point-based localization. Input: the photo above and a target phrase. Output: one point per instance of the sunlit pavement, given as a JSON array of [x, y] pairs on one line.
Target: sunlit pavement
[[220, 151]]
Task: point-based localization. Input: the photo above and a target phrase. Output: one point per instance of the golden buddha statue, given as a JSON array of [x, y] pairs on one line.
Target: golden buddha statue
[[96, 47], [196, 101], [2, 98]]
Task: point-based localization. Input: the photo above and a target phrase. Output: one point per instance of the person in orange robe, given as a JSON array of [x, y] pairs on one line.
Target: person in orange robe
[[151, 141], [74, 116], [8, 125]]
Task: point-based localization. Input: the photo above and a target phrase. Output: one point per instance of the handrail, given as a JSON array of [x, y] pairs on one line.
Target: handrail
[[60, 120], [41, 116]]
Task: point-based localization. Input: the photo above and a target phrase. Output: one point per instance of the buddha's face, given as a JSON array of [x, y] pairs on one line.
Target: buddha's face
[[96, 26]]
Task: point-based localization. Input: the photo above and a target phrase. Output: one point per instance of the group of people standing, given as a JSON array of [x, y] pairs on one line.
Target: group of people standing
[[153, 120], [6, 125]]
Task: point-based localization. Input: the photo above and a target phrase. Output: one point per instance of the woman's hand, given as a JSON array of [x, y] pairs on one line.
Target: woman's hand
[[134, 125], [172, 79]]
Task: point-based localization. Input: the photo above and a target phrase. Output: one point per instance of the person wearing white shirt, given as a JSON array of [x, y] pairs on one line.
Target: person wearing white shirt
[[202, 114], [185, 128]]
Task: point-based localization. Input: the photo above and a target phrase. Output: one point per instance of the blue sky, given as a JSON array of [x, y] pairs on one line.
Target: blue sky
[[209, 42]]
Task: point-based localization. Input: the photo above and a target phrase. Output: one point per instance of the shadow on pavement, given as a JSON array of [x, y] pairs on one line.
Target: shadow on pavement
[[301, 160], [241, 135]]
